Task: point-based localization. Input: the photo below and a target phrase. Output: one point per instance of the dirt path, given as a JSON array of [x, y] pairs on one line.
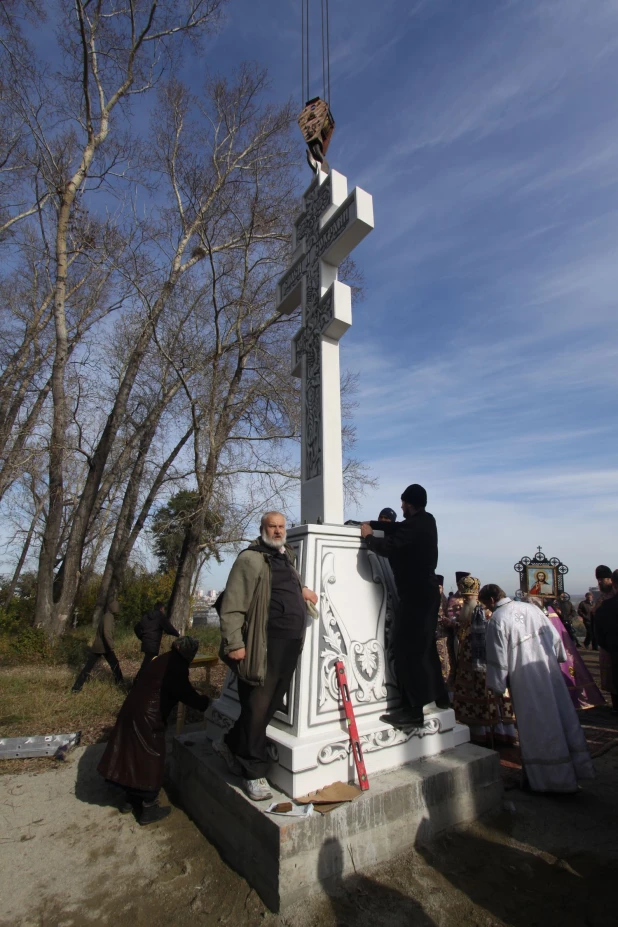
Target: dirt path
[[67, 859]]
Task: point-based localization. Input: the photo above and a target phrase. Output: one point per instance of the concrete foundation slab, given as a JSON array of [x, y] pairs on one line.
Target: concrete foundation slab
[[287, 859]]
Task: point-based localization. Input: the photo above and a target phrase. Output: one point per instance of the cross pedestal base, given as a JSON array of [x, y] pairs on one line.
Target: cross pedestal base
[[289, 859], [309, 743]]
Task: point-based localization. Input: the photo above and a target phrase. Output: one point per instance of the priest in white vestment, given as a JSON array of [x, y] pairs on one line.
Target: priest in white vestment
[[523, 652]]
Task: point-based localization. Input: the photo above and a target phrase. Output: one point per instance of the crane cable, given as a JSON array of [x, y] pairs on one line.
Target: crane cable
[[305, 67], [326, 51], [302, 46]]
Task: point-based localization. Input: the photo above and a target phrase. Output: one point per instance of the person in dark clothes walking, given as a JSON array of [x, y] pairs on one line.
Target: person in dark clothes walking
[[150, 630], [412, 550], [134, 758], [584, 610], [263, 618], [102, 646]]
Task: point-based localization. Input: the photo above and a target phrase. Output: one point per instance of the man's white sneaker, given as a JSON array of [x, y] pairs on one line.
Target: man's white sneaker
[[257, 789], [223, 752]]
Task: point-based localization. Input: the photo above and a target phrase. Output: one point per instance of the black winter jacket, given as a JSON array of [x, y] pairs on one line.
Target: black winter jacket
[[150, 630], [412, 550]]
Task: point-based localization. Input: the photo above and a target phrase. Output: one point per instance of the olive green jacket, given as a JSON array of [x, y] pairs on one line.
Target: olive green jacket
[[244, 613], [104, 638]]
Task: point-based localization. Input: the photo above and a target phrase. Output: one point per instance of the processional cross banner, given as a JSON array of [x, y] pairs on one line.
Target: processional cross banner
[[329, 228]]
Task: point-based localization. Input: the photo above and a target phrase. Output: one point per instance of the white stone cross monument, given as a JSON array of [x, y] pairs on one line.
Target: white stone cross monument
[[330, 226], [309, 742], [287, 858]]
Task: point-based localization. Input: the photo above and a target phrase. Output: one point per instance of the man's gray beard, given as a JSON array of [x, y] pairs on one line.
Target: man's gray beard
[[276, 545]]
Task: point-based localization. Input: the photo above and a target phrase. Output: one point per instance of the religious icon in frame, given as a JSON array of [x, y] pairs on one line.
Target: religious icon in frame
[[542, 576], [541, 582]]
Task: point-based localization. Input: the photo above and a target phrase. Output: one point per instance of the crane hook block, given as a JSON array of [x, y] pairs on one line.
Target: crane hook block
[[317, 125]]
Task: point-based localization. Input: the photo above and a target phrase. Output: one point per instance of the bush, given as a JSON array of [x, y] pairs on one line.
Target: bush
[[20, 642], [72, 648], [141, 591], [30, 645]]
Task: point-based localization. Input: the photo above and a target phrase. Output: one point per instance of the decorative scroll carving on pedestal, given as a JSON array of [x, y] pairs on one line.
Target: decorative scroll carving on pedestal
[[379, 567], [364, 662], [377, 740]]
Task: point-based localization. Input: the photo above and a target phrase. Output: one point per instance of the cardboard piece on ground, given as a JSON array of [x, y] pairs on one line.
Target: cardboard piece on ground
[[324, 808], [330, 797]]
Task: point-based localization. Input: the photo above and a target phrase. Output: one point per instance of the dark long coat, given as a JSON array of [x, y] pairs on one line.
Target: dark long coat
[[412, 550], [135, 754]]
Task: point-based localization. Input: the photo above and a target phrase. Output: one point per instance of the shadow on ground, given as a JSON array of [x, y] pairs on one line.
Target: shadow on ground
[[90, 787], [523, 888], [360, 901]]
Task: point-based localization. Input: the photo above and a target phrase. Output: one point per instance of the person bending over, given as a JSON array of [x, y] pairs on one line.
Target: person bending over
[[523, 652], [134, 758]]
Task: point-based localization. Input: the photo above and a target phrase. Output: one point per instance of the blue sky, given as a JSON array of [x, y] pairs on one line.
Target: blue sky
[[487, 133]]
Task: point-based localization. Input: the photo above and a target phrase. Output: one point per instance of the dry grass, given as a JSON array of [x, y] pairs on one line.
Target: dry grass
[[37, 698]]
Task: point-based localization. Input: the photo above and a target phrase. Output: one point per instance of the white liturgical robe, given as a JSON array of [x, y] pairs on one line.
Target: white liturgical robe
[[523, 650]]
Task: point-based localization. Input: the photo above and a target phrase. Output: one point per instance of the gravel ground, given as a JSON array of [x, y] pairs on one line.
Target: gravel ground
[[68, 859]]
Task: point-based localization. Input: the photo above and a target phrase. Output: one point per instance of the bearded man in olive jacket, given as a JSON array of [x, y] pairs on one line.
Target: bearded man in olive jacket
[[263, 616], [412, 550]]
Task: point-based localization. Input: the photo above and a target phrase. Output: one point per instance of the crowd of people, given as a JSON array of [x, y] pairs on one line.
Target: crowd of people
[[510, 669]]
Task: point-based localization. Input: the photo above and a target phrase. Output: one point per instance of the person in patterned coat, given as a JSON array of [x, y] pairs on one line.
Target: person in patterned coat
[[445, 639], [490, 717]]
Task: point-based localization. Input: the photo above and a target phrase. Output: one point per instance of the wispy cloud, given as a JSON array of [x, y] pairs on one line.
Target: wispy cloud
[[488, 136]]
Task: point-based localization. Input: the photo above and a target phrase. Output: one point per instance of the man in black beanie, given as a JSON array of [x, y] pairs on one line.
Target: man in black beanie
[[412, 549]]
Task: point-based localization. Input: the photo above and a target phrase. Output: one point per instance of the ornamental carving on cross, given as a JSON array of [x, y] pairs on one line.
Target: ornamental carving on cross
[[330, 226]]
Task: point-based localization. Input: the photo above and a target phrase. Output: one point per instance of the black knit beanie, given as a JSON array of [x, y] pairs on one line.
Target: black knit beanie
[[415, 495]]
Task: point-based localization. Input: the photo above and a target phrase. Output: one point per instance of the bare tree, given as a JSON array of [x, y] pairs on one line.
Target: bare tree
[[22, 193], [139, 346], [111, 53]]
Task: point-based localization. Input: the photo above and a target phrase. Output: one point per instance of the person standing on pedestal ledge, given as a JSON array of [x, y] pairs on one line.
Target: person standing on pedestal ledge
[[263, 616], [412, 550]]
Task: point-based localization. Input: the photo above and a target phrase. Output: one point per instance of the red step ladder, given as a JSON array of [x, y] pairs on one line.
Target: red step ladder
[[359, 762]]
